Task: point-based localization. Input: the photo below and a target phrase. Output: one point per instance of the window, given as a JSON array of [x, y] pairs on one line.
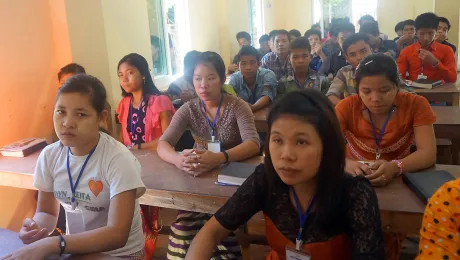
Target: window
[[327, 11], [169, 35], [256, 21]]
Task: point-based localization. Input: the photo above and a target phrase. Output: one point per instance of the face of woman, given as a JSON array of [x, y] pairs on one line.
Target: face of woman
[[296, 149], [206, 81], [131, 79], [75, 120], [377, 93]]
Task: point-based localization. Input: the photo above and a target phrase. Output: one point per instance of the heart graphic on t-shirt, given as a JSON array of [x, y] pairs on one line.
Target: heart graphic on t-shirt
[[96, 187]]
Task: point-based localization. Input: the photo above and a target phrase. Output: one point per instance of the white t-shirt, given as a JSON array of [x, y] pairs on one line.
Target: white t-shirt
[[112, 169]]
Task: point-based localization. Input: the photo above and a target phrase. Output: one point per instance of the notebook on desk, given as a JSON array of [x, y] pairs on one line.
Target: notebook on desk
[[23, 148], [235, 173], [424, 83], [425, 184]]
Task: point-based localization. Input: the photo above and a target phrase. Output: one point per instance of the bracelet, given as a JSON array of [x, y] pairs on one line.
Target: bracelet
[[62, 244], [226, 156], [400, 166]]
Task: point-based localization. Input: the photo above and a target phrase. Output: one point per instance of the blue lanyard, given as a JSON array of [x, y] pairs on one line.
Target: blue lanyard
[[73, 187], [379, 139], [302, 217], [214, 121], [130, 117]]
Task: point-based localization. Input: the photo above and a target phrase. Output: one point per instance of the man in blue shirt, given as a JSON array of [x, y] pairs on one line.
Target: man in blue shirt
[[318, 53], [253, 84]]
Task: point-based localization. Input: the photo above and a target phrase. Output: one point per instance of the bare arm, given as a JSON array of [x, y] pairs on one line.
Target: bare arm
[[118, 228], [261, 103], [334, 99], [425, 156], [206, 240]]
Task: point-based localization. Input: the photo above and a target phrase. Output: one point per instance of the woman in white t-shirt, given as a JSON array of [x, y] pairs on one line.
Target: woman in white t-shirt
[[94, 177]]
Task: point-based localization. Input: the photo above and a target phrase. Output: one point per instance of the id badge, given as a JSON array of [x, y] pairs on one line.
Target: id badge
[[421, 76], [214, 146], [292, 254]]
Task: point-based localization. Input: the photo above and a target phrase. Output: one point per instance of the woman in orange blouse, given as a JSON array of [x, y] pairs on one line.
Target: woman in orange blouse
[[381, 123], [440, 233]]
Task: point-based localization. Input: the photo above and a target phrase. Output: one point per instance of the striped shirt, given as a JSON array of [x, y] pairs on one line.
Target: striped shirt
[[344, 84]]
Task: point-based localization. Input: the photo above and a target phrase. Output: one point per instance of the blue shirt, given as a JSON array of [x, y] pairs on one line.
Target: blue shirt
[[265, 85], [316, 62]]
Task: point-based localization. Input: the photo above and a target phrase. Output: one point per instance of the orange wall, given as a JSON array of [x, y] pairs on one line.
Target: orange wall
[[35, 44]]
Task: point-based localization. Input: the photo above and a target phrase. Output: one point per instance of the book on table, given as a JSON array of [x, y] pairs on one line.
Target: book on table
[[425, 184], [424, 83], [235, 173], [23, 148]]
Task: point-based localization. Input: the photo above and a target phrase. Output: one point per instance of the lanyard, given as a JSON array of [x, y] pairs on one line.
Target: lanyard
[[214, 121], [379, 139], [130, 117], [302, 218], [73, 187]]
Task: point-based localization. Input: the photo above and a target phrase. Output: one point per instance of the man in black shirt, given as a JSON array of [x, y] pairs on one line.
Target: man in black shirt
[[443, 30], [336, 60]]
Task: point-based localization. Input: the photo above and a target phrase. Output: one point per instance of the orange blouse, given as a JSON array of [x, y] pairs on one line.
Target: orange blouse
[[411, 111], [440, 233]]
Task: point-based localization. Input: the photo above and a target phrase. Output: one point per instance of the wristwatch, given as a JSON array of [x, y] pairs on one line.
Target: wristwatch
[[62, 244], [226, 156]]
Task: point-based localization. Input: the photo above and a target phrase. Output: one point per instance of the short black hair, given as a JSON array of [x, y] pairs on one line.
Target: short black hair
[[248, 50], [366, 17], [72, 68], [244, 35], [272, 34], [354, 39], [399, 26], [409, 22], [301, 43], [371, 28], [87, 85], [213, 58], [333, 29], [315, 25], [427, 21], [446, 21], [345, 27], [314, 107], [375, 65], [281, 32], [189, 60], [264, 38], [295, 33], [312, 32]]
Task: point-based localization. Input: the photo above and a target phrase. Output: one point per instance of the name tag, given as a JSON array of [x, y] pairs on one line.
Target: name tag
[[214, 146], [421, 76], [292, 254]]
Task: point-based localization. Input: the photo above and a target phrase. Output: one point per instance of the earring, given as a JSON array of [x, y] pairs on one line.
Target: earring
[[144, 81]]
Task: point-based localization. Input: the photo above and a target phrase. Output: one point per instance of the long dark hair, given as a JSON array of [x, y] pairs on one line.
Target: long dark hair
[[313, 107], [375, 65], [136, 60]]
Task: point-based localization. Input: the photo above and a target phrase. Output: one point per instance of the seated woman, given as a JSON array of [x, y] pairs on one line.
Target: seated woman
[[380, 124], [311, 206], [143, 113], [439, 235], [224, 131], [105, 183]]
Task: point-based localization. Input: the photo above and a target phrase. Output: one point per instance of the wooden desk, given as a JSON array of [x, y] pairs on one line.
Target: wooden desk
[[448, 126], [170, 187], [260, 119], [445, 93]]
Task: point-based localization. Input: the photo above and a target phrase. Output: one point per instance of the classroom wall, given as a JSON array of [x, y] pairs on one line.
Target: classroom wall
[[35, 44], [450, 10]]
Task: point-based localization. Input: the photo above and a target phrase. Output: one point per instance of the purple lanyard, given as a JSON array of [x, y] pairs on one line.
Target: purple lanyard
[[214, 121]]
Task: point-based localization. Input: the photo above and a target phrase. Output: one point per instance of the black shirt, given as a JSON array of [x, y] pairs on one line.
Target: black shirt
[[334, 62], [450, 45], [359, 215]]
